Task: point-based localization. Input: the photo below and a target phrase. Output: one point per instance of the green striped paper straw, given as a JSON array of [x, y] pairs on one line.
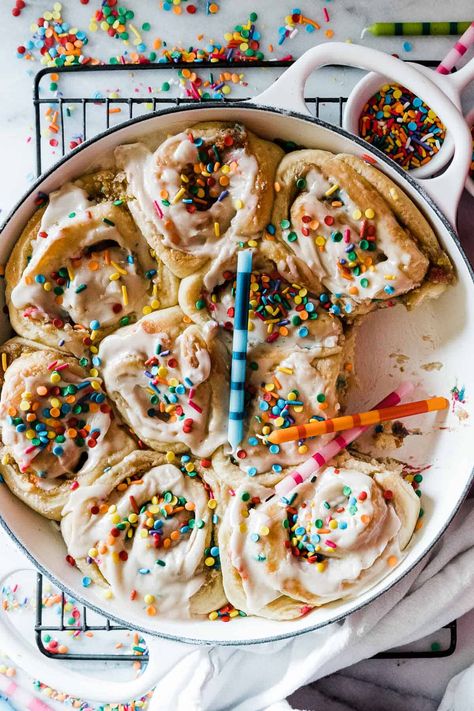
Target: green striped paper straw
[[416, 28]]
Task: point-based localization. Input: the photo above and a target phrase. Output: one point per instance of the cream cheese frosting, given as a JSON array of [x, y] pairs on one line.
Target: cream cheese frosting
[[337, 241], [147, 537], [332, 537], [163, 382], [102, 276], [189, 214], [61, 203]]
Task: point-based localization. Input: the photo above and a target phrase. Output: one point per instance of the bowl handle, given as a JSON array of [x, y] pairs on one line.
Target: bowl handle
[[463, 76], [53, 672], [288, 93]]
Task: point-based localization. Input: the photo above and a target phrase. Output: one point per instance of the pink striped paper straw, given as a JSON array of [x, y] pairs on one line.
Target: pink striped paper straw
[[336, 445], [459, 49]]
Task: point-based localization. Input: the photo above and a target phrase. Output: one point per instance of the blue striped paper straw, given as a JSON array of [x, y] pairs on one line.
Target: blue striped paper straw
[[235, 430]]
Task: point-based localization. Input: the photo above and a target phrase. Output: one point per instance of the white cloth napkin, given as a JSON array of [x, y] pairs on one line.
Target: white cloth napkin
[[261, 677], [459, 694]]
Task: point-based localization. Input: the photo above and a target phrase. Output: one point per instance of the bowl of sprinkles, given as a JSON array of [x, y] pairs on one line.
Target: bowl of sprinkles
[[400, 124]]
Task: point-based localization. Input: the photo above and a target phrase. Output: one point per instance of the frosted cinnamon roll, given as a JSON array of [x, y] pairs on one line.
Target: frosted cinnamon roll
[[284, 387], [169, 382], [330, 539], [144, 531], [57, 426], [281, 310], [82, 272], [203, 190], [359, 234]]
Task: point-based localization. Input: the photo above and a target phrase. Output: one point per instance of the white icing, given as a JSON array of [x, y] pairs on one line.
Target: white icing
[[61, 203], [123, 356], [172, 584], [358, 558], [103, 299], [226, 257], [389, 274], [151, 175]]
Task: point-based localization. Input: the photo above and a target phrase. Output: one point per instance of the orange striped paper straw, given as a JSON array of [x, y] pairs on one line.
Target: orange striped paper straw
[[372, 417]]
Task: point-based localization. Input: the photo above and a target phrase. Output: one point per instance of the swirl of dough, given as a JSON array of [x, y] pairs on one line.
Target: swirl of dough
[[85, 270], [284, 388], [168, 382], [356, 243], [58, 428], [144, 530], [331, 538], [281, 312], [200, 189]]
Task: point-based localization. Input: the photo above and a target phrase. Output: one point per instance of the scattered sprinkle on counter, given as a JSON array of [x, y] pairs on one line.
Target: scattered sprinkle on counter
[[458, 394], [181, 7], [295, 21], [18, 7], [57, 41]]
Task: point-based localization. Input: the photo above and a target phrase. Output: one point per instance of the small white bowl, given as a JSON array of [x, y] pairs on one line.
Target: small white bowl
[[451, 84]]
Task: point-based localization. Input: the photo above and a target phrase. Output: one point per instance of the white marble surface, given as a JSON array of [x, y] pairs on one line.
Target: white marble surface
[[347, 20], [357, 687]]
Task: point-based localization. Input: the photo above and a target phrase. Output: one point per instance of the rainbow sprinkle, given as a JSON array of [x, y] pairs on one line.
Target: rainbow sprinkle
[[309, 543], [226, 613], [169, 397], [58, 43], [177, 7], [56, 415], [458, 394], [295, 20], [281, 306], [207, 181], [402, 126], [278, 410]]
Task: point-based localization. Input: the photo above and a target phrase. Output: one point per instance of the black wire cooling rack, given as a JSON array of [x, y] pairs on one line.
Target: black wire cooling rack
[[329, 107]]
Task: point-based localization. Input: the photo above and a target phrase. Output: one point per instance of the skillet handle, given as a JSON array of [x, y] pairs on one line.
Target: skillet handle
[[53, 673], [288, 93]]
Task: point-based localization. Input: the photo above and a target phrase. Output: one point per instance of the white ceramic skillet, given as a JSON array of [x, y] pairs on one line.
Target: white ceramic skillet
[[435, 344]]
